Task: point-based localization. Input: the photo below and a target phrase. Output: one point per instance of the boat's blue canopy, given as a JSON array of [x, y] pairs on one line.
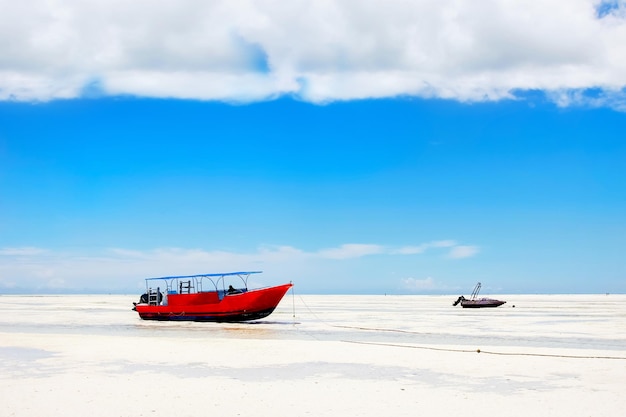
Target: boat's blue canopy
[[223, 274]]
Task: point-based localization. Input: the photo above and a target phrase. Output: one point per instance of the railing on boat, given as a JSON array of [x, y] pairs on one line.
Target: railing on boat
[[154, 296], [191, 284]]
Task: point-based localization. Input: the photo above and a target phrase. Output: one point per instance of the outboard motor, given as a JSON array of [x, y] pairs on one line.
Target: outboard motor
[[461, 298], [142, 300]]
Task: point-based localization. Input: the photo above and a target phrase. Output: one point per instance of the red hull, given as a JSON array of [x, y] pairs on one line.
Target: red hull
[[211, 306]]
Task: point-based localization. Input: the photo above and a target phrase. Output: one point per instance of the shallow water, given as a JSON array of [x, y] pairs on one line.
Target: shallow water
[[587, 322]]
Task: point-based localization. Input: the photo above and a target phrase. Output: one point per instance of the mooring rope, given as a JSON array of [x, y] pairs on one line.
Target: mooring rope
[[293, 301], [487, 352]]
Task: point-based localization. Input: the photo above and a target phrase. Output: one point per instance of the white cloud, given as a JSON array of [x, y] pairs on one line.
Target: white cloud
[[350, 251], [22, 251], [57, 283], [411, 250], [242, 50], [39, 269], [461, 251], [413, 284]]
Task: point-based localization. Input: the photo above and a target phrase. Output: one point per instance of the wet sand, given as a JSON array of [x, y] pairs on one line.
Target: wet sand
[[318, 356]]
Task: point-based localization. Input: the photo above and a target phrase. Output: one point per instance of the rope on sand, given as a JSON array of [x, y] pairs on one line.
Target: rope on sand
[[485, 351]]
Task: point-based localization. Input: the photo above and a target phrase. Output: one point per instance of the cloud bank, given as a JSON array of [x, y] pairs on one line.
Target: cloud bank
[[39, 270], [317, 51]]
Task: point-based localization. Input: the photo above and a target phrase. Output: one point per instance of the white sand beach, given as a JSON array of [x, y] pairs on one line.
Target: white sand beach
[[550, 355]]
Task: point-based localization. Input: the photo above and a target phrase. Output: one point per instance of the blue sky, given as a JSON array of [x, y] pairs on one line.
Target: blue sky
[[346, 164]]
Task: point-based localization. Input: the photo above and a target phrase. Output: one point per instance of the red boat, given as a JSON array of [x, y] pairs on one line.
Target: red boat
[[185, 298], [475, 302]]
